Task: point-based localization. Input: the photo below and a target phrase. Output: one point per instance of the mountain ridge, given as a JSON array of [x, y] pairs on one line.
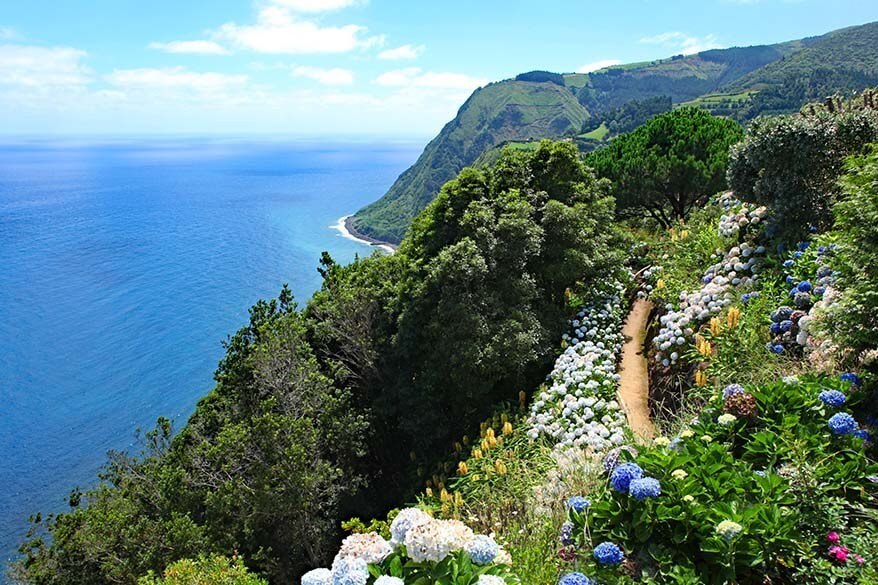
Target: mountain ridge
[[739, 82]]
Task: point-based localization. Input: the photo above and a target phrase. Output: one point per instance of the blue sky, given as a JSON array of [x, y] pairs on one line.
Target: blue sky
[[338, 67]]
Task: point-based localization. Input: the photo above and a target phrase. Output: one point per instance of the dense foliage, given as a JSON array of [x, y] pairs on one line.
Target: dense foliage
[[278, 451], [670, 165], [747, 492], [793, 163], [852, 322], [213, 570], [631, 115]]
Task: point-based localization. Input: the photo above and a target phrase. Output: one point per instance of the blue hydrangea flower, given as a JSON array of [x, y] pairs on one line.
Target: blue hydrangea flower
[[788, 263], [759, 472], [841, 423], [851, 377], [820, 291], [575, 579], [578, 503], [349, 571], [774, 328], [566, 535], [607, 553], [832, 398], [776, 348], [790, 280], [731, 390], [482, 549], [646, 487], [863, 434], [804, 245], [622, 476], [804, 286]]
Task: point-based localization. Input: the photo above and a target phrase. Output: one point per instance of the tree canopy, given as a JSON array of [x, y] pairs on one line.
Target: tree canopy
[[670, 165]]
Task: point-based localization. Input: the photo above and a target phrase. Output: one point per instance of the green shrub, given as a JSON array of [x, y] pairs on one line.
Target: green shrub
[[792, 163], [852, 321], [779, 474], [213, 570]]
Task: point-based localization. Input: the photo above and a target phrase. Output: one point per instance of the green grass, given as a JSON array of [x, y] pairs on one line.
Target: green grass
[[598, 133]]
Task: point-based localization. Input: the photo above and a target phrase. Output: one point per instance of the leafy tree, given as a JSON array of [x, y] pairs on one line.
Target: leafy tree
[[793, 163], [670, 165], [260, 469], [852, 321], [212, 570]]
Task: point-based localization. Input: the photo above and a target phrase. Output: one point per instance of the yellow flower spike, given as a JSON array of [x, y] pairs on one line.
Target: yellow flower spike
[[466, 440], [475, 477], [441, 485], [444, 495], [446, 509], [458, 447], [507, 428], [504, 418], [462, 468], [715, 326], [429, 492], [500, 467], [477, 453], [458, 500], [684, 234], [700, 378], [489, 433], [492, 441], [733, 317], [660, 284], [429, 483]]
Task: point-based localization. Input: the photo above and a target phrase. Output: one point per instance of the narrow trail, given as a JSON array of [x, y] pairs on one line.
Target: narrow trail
[[634, 374]]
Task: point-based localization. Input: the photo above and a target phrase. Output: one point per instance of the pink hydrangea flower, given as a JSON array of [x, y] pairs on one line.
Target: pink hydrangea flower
[[860, 560], [839, 553], [833, 537]]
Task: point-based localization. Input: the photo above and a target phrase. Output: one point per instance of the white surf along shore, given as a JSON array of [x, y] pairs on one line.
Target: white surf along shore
[[342, 228]]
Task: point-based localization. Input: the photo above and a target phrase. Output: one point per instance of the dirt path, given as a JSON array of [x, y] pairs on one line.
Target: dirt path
[[634, 382]]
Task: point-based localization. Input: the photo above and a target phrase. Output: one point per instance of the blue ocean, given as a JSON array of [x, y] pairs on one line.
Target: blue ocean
[[125, 264]]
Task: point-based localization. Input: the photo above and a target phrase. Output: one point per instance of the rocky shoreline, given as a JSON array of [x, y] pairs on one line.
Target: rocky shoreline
[[348, 226]]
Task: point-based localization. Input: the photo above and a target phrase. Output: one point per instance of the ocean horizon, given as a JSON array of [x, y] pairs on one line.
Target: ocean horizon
[[124, 264]]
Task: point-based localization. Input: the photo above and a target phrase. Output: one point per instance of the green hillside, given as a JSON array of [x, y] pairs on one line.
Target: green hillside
[[740, 82], [500, 112]]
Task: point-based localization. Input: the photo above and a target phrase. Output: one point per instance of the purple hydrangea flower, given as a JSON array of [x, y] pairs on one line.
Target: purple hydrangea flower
[[731, 390], [566, 535]]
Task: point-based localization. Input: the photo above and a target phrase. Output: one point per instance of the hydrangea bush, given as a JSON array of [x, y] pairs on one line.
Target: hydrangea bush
[[421, 550], [577, 407], [748, 490], [737, 268]]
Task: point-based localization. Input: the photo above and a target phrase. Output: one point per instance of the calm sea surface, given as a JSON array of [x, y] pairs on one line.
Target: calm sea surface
[[122, 268]]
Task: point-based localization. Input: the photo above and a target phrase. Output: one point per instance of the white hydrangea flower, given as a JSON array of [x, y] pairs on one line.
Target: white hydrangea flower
[[407, 519], [370, 547], [317, 577]]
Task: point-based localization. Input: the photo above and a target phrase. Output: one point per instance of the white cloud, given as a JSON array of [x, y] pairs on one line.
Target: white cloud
[[279, 31], [32, 66], [684, 43], [334, 76], [315, 5], [7, 33], [402, 52], [414, 77], [596, 65], [174, 78], [191, 47]]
